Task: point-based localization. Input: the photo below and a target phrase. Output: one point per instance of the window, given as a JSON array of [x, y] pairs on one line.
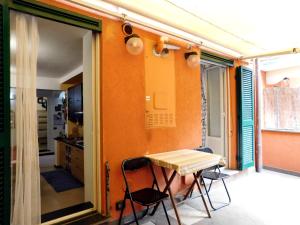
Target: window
[[282, 108]]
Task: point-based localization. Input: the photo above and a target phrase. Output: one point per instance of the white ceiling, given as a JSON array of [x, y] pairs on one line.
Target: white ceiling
[[248, 27], [279, 62], [60, 49]]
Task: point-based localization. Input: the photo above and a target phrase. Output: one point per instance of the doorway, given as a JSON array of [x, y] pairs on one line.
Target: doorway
[[7, 117], [65, 120], [214, 96]]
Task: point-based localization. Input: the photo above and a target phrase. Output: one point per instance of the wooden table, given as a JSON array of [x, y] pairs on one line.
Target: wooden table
[[183, 162]]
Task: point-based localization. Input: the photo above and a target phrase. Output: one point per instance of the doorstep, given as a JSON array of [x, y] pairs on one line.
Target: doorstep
[[93, 218]]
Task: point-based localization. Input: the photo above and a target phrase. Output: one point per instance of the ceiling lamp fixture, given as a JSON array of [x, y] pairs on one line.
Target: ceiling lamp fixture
[[192, 59], [134, 43]]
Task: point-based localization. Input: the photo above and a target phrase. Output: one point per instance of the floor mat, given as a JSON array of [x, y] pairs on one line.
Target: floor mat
[[61, 180]]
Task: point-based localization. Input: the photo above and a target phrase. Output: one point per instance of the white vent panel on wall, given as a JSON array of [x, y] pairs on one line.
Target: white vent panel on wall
[[156, 120]]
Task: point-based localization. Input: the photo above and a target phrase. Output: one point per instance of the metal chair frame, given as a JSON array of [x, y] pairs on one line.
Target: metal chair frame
[[134, 164], [203, 175]]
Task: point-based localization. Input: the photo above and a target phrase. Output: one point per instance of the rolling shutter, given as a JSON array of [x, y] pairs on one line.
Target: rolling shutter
[[4, 118], [211, 58], [246, 117]]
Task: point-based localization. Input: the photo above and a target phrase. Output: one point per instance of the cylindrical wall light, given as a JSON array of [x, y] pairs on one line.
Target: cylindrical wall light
[[192, 59]]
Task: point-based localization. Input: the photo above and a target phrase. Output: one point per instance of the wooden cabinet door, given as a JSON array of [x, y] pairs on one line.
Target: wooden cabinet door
[[77, 164], [61, 154]]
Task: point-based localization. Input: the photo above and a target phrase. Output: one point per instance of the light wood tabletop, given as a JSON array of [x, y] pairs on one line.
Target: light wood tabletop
[[185, 161]]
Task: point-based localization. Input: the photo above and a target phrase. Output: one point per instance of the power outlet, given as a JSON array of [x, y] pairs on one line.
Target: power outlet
[[119, 205]]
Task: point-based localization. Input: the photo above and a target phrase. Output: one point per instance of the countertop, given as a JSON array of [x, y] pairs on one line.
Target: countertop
[[71, 142]]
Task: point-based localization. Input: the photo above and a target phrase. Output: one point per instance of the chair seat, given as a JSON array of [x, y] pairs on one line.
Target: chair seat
[[214, 175], [148, 196]]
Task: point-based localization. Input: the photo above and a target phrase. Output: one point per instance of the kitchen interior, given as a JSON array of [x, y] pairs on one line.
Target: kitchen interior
[[64, 168], [63, 86]]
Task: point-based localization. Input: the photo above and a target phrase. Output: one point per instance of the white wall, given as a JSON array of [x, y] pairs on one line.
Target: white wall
[[45, 83], [275, 76], [53, 99], [71, 74], [53, 130]]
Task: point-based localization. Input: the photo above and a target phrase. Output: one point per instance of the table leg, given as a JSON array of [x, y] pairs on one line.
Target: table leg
[[168, 184], [201, 194], [192, 186], [190, 190]]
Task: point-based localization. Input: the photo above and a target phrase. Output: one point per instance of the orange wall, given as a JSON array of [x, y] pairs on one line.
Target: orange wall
[[281, 150], [123, 108], [233, 132], [233, 121], [263, 79]]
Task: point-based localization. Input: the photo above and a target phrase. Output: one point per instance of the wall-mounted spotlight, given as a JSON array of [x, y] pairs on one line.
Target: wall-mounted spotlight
[[134, 43], [164, 52], [164, 44], [192, 59]]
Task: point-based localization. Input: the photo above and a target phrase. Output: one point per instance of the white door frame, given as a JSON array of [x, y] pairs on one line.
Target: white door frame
[[97, 140], [96, 124], [97, 137]]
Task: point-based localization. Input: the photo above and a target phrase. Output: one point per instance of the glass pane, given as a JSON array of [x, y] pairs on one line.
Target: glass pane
[[213, 103]]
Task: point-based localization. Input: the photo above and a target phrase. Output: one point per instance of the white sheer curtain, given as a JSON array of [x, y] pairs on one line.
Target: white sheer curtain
[[27, 204]]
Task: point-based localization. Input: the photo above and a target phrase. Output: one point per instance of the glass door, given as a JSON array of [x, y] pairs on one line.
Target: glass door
[[216, 115]]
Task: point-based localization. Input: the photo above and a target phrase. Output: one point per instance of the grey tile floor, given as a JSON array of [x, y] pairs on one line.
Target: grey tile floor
[[266, 198]]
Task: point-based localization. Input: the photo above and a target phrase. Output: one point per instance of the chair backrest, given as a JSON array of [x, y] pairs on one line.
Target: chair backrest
[[205, 149], [135, 164]]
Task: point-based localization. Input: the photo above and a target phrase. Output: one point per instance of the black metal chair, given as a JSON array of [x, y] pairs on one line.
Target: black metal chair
[[148, 196], [212, 174]]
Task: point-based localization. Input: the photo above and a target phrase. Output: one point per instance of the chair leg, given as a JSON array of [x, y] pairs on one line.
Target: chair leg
[[206, 191], [211, 181], [122, 210], [229, 198], [166, 212], [203, 183], [209, 199], [201, 194]]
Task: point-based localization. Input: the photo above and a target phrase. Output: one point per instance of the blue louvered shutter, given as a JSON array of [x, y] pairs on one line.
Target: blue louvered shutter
[[4, 117], [246, 117]]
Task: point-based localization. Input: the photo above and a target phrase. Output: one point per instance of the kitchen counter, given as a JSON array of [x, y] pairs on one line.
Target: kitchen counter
[[72, 142], [70, 156]]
